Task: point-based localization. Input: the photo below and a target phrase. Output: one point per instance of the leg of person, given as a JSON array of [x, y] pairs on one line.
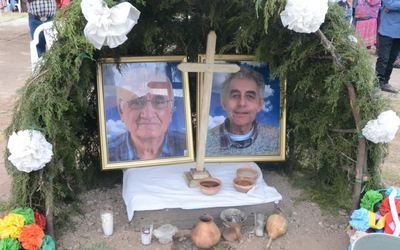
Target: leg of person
[[383, 66], [41, 46], [349, 13], [12, 5], [385, 44], [394, 52]]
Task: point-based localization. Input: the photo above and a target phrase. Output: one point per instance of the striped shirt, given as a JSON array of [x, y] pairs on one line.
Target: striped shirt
[[42, 8]]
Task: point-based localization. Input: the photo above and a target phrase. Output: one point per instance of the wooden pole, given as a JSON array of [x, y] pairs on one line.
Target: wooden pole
[[362, 144], [361, 150], [205, 103]]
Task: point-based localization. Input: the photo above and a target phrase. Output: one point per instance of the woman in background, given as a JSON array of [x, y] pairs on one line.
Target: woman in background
[[366, 14]]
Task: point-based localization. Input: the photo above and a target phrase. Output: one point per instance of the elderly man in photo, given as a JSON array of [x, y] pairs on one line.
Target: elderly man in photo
[[242, 96], [145, 103]]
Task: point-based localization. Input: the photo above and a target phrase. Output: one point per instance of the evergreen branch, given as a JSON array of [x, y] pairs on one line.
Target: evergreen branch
[[69, 87], [350, 159], [32, 81], [346, 131], [329, 46]]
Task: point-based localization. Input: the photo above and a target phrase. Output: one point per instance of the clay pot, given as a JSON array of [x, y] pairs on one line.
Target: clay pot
[[206, 234], [209, 186], [247, 172], [243, 184]]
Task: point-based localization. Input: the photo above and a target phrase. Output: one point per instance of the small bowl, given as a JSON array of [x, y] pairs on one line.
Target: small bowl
[[210, 185], [247, 172], [243, 184]]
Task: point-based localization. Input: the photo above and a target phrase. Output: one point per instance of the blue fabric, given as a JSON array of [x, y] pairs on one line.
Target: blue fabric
[[390, 190], [349, 248], [33, 24], [360, 219], [390, 22], [121, 149], [349, 13], [12, 4]]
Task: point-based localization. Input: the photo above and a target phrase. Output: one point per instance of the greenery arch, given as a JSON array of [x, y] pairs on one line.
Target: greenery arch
[[62, 97]]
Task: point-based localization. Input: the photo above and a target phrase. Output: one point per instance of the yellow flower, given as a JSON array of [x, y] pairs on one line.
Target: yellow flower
[[10, 226]]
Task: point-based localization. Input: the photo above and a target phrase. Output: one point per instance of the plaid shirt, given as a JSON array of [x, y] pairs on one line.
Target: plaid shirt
[[120, 148], [42, 8]]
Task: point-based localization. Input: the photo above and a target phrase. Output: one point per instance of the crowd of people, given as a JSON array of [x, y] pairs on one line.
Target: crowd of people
[[377, 23]]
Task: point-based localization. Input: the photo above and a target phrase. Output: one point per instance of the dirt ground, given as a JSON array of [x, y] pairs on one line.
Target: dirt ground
[[308, 227]]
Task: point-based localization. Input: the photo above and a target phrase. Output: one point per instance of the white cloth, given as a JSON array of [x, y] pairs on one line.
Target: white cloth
[[29, 150], [304, 16], [161, 187], [383, 129], [108, 27]]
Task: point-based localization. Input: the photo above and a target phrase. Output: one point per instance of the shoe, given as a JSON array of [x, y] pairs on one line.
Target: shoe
[[397, 66], [389, 88]]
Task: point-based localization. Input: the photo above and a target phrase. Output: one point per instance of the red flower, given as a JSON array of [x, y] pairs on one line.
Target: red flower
[[40, 220], [31, 237]]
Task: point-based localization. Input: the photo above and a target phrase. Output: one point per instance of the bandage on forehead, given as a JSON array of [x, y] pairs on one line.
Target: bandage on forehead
[[142, 81]]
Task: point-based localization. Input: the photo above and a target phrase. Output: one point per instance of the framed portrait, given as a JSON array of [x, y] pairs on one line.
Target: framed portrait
[[247, 120], [144, 112]]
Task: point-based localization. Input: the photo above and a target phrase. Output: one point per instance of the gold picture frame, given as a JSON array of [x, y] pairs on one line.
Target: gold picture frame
[[144, 111], [215, 152]]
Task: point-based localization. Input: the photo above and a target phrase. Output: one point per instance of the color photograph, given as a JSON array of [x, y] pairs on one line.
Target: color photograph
[[144, 113], [244, 120]]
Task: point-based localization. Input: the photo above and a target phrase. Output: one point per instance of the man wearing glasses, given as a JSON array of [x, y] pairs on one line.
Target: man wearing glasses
[[145, 103]]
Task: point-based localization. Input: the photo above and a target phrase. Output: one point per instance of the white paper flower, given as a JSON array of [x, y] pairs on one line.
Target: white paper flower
[[29, 150], [108, 27], [304, 16], [382, 129]]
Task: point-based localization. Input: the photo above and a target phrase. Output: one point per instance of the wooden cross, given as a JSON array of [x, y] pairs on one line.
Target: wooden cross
[[208, 68]]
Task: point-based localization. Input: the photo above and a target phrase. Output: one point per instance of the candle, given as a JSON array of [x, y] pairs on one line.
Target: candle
[[107, 223], [146, 230]]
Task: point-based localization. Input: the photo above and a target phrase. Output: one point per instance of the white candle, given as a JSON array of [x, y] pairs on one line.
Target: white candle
[[107, 222], [259, 232]]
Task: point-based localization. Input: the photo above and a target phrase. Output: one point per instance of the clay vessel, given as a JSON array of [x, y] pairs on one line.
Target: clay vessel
[[247, 172], [209, 185], [206, 234], [243, 184]]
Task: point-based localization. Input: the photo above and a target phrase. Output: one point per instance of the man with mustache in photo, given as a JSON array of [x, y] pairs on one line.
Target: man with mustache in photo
[[242, 97]]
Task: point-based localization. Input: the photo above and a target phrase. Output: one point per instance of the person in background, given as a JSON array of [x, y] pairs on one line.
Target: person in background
[[40, 11], [389, 43], [12, 5], [347, 5], [367, 21], [3, 4]]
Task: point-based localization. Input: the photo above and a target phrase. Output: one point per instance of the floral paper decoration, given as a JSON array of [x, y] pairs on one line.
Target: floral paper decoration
[[10, 226], [382, 129], [304, 16], [29, 150], [108, 27], [31, 237], [24, 229]]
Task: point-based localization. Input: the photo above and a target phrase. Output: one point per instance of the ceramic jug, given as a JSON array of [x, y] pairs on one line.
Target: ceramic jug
[[206, 234]]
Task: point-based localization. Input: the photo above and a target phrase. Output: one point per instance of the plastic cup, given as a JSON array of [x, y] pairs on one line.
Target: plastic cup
[[259, 224], [107, 222], [146, 225]]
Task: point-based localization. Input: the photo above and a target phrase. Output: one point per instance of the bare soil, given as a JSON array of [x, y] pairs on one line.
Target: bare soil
[[308, 227]]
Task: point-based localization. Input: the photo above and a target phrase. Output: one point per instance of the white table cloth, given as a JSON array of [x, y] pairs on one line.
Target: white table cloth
[[163, 187]]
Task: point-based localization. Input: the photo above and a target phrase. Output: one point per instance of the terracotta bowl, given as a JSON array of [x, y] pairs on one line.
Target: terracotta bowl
[[243, 184], [210, 185], [247, 172]]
